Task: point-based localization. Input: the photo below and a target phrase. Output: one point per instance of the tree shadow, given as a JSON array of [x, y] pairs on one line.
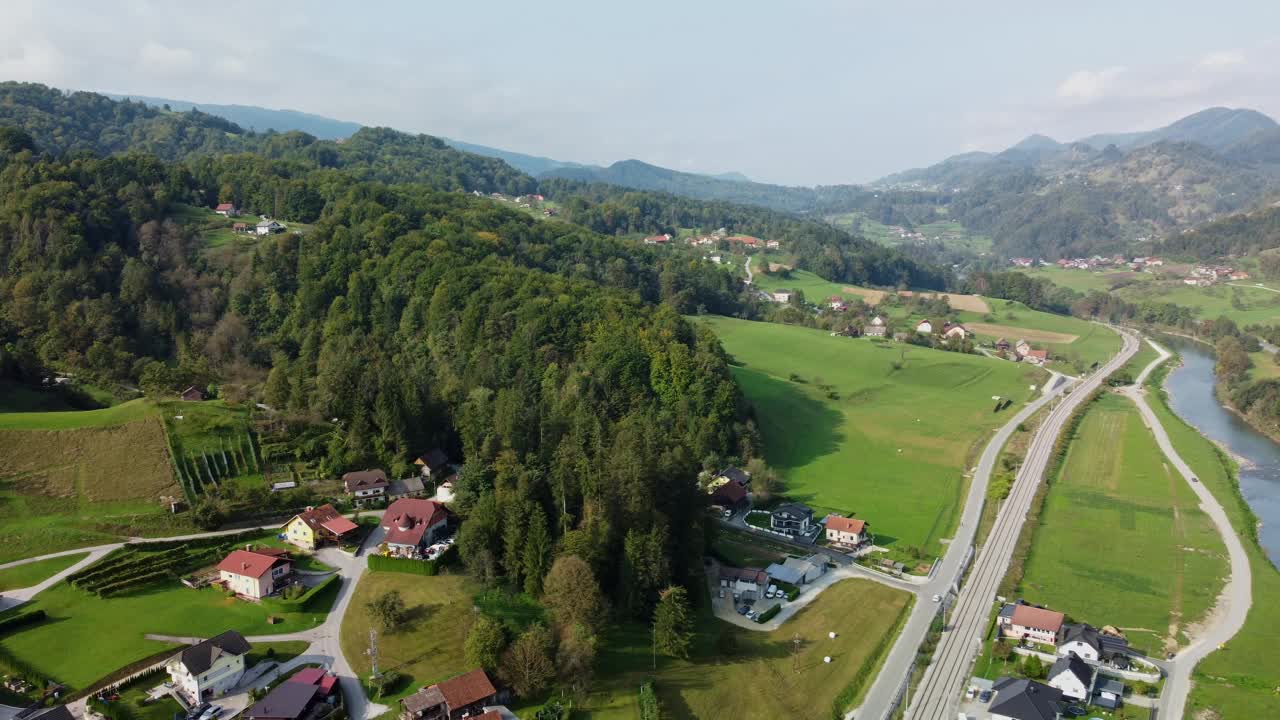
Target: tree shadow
[[797, 427]]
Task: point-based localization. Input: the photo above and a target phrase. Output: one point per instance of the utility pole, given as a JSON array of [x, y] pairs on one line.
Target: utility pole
[[795, 653], [373, 651], [655, 644]]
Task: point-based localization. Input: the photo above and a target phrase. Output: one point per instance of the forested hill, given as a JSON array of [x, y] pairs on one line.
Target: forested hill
[[1240, 234]]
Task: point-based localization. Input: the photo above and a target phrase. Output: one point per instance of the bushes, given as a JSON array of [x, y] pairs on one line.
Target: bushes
[[650, 708], [769, 614], [298, 603]]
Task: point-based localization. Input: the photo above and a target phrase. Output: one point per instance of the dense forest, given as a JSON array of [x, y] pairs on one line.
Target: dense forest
[[1239, 234]]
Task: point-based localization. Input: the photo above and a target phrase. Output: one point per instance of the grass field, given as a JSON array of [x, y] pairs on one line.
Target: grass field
[[893, 448], [1240, 680], [947, 232], [1093, 343], [63, 420], [1121, 539], [24, 576], [735, 673], [1085, 280], [87, 637]]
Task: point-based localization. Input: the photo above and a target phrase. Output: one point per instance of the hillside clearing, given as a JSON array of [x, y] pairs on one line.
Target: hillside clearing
[[1012, 333]]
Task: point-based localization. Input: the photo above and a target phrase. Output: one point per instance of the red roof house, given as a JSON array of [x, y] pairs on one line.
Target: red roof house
[[411, 523], [226, 209], [255, 574], [846, 531], [464, 695], [318, 677], [318, 525]]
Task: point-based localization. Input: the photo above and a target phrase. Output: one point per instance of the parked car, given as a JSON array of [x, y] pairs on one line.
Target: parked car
[[984, 696], [772, 591], [970, 693], [722, 592], [728, 513], [751, 614], [213, 712], [744, 610]]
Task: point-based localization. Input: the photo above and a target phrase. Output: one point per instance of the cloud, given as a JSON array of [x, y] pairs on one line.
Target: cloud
[[1223, 59], [1084, 86], [157, 59]]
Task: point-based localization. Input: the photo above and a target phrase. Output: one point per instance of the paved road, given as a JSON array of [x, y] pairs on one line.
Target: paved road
[[1233, 602], [747, 265], [938, 695], [884, 692]]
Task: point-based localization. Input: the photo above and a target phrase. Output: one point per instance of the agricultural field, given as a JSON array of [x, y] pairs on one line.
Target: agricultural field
[[216, 230], [949, 233], [33, 573], [1121, 540], [891, 442], [736, 673], [1086, 280], [1239, 680], [1066, 338], [72, 479], [212, 443]]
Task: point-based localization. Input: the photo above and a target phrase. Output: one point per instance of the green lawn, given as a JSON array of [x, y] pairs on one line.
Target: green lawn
[[1094, 343], [1240, 680], [894, 446], [87, 637], [1121, 539], [1087, 280], [115, 415], [24, 576], [736, 673], [947, 232]]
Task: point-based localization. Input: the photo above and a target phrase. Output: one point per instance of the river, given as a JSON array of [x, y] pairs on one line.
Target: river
[[1191, 395]]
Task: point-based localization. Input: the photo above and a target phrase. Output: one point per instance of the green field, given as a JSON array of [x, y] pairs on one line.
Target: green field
[[24, 576], [87, 637], [893, 447], [1121, 539], [71, 420], [214, 440], [735, 673], [949, 233], [1087, 280], [1240, 680]]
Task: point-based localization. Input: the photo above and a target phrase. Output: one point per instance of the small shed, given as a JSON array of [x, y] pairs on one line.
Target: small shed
[[192, 394]]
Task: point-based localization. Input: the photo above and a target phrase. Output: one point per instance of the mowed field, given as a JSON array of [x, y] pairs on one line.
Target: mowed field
[[895, 446], [737, 673], [71, 479], [1121, 539], [1092, 343]]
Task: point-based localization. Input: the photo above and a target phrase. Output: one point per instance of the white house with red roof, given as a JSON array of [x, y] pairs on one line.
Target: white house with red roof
[[255, 573], [924, 327], [226, 209], [411, 524], [1020, 621], [846, 531]]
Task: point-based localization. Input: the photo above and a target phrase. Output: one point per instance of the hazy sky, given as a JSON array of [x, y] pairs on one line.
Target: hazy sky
[[793, 92]]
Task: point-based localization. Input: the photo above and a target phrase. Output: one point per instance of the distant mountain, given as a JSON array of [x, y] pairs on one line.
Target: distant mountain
[[534, 165], [1217, 128], [643, 176], [258, 119]]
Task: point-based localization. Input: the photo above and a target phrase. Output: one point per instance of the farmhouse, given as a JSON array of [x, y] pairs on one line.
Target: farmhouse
[[268, 227], [255, 574], [954, 330], [1072, 676], [1022, 347], [924, 327], [318, 526], [729, 496], [780, 296], [365, 485], [876, 331], [411, 524], [239, 228], [226, 209], [734, 474], [1018, 699], [456, 698], [209, 669], [662, 239], [1002, 345], [434, 464], [791, 518], [1019, 621], [1037, 357], [192, 394], [745, 583], [846, 531]]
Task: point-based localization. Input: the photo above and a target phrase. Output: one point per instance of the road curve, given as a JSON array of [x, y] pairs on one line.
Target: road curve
[[938, 695], [1232, 606], [883, 695]]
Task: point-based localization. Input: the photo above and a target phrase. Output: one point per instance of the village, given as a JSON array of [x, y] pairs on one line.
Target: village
[[1193, 275]]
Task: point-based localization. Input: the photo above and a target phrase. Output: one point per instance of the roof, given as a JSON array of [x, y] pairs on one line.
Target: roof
[[466, 689], [225, 206], [924, 322], [406, 486], [490, 715], [364, 480], [251, 564], [433, 459], [326, 516], [736, 474], [317, 677], [1040, 354], [1025, 700], [796, 509], [755, 575], [785, 573], [267, 223], [1082, 632], [730, 493], [288, 701], [239, 225], [57, 712], [201, 656], [1111, 685], [805, 567], [1073, 665], [407, 520], [840, 523], [1038, 618], [427, 697]]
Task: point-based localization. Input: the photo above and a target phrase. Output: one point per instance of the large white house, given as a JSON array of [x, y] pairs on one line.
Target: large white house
[[1072, 676], [255, 574], [846, 531], [1020, 621], [209, 669]]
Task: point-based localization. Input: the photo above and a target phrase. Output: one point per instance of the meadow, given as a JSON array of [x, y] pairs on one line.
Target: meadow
[[1086, 280], [737, 673], [947, 232], [33, 573], [1121, 540], [892, 447]]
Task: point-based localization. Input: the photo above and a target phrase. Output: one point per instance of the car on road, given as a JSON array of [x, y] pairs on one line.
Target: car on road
[[1194, 480], [937, 598]]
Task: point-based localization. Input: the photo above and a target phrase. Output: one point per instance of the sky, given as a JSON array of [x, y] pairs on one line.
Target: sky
[[803, 92]]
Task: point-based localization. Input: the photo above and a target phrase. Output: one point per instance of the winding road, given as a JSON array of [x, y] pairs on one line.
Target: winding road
[[1228, 614]]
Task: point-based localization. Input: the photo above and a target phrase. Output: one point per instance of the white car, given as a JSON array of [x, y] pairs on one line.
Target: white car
[[211, 713], [772, 591]]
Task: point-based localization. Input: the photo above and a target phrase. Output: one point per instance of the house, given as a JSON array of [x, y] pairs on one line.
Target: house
[[317, 677], [1072, 676], [1108, 693], [877, 321], [268, 227], [1002, 345], [227, 209], [434, 464], [408, 487], [192, 394], [771, 244], [780, 296], [734, 474], [239, 228], [317, 526], [1239, 275], [791, 518], [366, 485], [1022, 347], [798, 571], [876, 331], [462, 696], [846, 531], [255, 574], [729, 496], [924, 327], [1036, 357], [411, 524], [288, 701], [662, 239], [1020, 621], [745, 583], [1018, 699], [210, 668], [1087, 643], [954, 330]]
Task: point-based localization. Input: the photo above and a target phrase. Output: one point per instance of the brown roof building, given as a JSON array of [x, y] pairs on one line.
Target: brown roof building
[[464, 695]]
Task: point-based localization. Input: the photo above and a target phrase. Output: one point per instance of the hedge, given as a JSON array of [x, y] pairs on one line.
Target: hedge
[[301, 601], [406, 565], [18, 621], [768, 615], [650, 708]]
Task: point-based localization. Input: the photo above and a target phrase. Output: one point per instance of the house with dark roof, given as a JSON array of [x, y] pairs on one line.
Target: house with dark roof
[[434, 464], [209, 669], [317, 526], [255, 574], [365, 486], [1108, 693], [455, 698], [798, 571], [745, 583], [1021, 621], [735, 474], [791, 518], [1086, 642], [408, 487], [1019, 699], [192, 394], [411, 524], [729, 496], [1072, 676], [288, 701]]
